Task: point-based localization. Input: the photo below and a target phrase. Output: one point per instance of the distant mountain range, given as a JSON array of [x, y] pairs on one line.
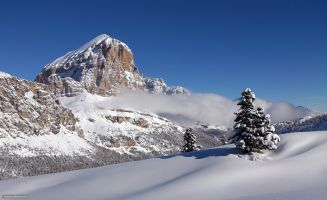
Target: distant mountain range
[[308, 123]]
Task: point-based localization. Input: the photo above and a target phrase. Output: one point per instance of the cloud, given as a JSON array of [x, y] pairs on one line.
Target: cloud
[[207, 108], [283, 111]]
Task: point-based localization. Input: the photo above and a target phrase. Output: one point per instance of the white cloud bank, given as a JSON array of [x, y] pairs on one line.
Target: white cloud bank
[[208, 108]]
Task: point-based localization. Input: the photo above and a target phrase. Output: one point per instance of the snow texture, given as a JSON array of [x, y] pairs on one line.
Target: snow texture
[[158, 86], [4, 75], [123, 130], [308, 123], [63, 143], [295, 171], [85, 50]]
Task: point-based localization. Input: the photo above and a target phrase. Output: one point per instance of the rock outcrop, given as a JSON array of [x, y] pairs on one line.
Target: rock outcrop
[[101, 67], [30, 108]]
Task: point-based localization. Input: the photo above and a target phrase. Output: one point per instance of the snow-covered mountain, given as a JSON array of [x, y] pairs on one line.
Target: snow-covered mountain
[[30, 116], [50, 134], [124, 131], [101, 66], [308, 123], [129, 131], [295, 171], [95, 108]]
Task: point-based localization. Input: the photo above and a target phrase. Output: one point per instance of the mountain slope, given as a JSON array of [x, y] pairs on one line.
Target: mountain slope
[[101, 67], [309, 123], [40, 133], [30, 115], [295, 171], [124, 130]]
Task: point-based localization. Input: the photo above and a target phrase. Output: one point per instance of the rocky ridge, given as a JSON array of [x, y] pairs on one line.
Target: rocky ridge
[[309, 123], [30, 108], [101, 67]]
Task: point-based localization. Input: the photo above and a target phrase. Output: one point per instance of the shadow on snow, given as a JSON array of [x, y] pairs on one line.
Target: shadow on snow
[[205, 153]]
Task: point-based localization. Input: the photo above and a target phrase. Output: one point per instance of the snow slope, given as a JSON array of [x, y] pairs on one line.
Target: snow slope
[[125, 131], [305, 124], [295, 171]]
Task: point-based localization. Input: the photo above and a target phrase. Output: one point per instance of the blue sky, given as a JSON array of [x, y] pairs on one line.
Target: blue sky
[[278, 48]]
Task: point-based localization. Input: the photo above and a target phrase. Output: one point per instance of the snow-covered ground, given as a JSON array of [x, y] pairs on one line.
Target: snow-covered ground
[[123, 131], [63, 143], [297, 170]]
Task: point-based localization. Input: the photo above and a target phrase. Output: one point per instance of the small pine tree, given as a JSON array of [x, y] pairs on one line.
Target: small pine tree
[[189, 141], [253, 131]]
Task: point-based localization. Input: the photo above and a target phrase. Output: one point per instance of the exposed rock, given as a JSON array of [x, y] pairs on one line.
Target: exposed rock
[[101, 67], [29, 108], [158, 85], [141, 122], [117, 119]]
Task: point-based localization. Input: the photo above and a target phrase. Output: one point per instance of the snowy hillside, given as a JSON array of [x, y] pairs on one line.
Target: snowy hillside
[[39, 134], [123, 130], [308, 123], [295, 171], [32, 122]]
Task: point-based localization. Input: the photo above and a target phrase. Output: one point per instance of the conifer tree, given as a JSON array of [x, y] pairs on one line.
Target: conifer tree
[[189, 141], [253, 131], [264, 132]]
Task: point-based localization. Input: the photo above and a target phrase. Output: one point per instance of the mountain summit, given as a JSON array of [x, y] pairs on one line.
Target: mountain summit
[[100, 66]]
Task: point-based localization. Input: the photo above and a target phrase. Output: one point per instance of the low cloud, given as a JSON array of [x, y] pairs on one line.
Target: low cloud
[[207, 108]]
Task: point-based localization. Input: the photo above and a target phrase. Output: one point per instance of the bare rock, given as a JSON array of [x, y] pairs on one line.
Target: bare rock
[[101, 66], [30, 108]]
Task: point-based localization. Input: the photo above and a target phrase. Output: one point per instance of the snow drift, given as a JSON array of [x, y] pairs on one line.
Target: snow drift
[[295, 171]]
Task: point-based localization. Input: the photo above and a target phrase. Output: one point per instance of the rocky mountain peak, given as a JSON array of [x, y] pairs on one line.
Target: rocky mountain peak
[[100, 67]]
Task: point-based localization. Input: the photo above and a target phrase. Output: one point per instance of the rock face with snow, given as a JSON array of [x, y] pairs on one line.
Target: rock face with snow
[[29, 108], [33, 123], [101, 66], [158, 86], [309, 123], [122, 130], [41, 133]]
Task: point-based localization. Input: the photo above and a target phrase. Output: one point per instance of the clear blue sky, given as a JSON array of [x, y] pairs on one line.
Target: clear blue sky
[[278, 48]]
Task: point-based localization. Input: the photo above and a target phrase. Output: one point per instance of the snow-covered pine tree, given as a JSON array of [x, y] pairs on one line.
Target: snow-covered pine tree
[[264, 132], [189, 141], [244, 127], [253, 131]]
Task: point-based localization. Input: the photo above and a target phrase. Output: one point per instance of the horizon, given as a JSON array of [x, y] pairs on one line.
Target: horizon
[[203, 48]]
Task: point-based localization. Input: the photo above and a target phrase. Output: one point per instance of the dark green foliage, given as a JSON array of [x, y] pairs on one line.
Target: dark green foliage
[[253, 132], [189, 141]]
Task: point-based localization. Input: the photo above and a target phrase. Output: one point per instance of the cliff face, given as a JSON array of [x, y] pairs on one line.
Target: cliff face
[[101, 67], [30, 108]]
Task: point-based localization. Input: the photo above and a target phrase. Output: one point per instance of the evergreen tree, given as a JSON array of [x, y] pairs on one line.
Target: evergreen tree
[[189, 141], [264, 132], [253, 131]]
